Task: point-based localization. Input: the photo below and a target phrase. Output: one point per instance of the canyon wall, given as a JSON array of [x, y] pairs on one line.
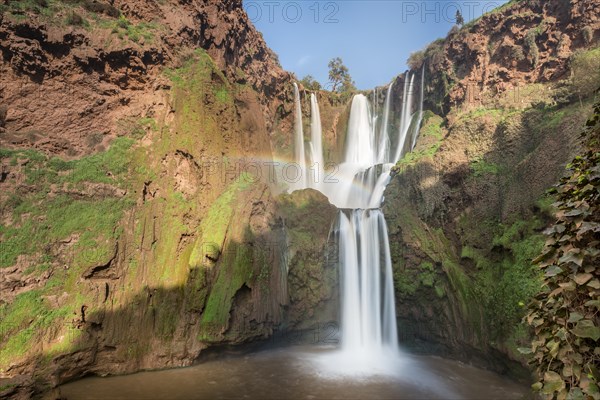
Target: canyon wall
[[504, 108], [138, 223]]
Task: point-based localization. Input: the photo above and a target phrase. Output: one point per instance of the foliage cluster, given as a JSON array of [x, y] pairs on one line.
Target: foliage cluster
[[565, 314]]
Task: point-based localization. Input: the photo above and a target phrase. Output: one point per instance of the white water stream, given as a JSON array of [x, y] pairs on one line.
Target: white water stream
[[356, 186]]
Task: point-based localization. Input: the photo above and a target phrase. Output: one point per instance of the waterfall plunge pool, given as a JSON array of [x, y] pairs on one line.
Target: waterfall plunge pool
[[304, 372]]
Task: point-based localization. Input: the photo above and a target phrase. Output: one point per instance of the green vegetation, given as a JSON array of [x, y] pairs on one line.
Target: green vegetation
[[122, 27], [76, 20], [585, 72], [235, 270], [430, 140], [7, 386], [214, 226], [564, 314], [62, 205], [19, 7], [415, 60], [532, 47], [517, 53], [75, 10], [442, 260], [310, 83], [340, 77], [459, 20], [89, 14], [198, 86], [499, 9], [223, 96], [39, 219], [24, 319], [434, 52], [480, 167], [505, 286], [588, 34]]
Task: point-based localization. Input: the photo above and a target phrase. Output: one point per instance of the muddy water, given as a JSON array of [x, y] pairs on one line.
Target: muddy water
[[303, 373]]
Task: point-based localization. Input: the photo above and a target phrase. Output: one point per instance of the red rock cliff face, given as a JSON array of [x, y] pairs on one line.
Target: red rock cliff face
[[501, 123], [76, 76], [61, 84], [525, 42]]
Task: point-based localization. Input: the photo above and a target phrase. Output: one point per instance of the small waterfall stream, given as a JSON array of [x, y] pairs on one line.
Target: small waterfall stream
[[368, 313], [299, 139]]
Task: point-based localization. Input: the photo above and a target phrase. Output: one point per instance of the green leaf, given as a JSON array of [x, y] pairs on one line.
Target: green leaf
[[568, 286], [592, 390], [593, 303], [595, 284], [552, 383], [573, 213], [574, 317], [537, 386], [545, 255], [586, 329], [571, 257], [588, 226], [575, 394], [553, 270], [524, 350], [554, 349]]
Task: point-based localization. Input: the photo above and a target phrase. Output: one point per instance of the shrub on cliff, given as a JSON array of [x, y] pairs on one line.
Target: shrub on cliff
[[585, 72], [588, 34], [516, 52], [310, 83], [75, 19], [565, 314], [416, 59], [534, 52], [3, 112]]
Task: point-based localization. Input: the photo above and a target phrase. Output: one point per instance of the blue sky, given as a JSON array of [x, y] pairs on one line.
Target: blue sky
[[373, 37]]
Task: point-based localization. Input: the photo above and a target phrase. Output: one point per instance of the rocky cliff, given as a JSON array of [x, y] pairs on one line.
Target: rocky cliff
[[504, 107], [137, 221]]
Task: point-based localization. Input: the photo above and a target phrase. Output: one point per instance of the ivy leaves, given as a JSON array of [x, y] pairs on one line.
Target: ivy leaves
[[565, 314]]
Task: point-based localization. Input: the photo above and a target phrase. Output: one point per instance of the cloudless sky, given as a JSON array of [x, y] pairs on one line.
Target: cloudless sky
[[373, 37]]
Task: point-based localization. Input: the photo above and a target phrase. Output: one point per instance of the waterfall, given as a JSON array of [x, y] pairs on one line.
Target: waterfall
[[360, 143], [368, 311], [312, 176], [299, 140], [420, 112], [383, 151], [406, 116], [316, 146]]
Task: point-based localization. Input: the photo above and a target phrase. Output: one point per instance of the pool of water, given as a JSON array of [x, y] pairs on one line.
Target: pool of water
[[304, 373]]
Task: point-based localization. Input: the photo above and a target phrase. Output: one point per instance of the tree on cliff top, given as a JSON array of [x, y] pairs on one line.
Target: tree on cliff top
[[310, 83], [339, 76], [459, 18]]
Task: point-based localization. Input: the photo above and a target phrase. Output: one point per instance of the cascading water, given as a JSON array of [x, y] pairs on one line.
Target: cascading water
[[299, 140], [316, 146], [406, 117], [368, 314], [420, 112], [383, 151], [368, 310]]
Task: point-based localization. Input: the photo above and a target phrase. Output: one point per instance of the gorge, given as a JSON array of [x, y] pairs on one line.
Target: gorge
[[171, 197]]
